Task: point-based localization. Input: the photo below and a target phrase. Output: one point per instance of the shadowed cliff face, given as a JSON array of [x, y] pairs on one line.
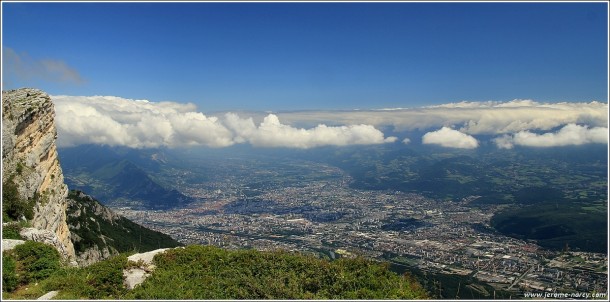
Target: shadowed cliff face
[[29, 157]]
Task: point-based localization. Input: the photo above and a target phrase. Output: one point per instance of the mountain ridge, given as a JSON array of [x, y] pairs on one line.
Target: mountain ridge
[[118, 179]]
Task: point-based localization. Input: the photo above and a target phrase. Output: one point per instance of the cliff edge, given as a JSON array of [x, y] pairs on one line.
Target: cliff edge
[[31, 166]]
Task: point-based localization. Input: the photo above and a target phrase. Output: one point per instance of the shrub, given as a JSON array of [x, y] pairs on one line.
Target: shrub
[[200, 272], [106, 278], [13, 207], [38, 260], [11, 231], [9, 274]]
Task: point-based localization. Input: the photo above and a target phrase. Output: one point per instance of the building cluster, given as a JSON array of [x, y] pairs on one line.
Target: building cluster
[[329, 217]]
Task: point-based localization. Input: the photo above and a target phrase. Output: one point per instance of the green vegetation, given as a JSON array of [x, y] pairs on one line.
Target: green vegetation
[[445, 285], [205, 272], [13, 206], [119, 234], [114, 180], [11, 231], [578, 225], [498, 176], [9, 273], [102, 280], [557, 196], [27, 263], [19, 167]]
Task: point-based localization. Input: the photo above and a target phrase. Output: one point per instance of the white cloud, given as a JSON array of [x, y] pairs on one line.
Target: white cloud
[[135, 123], [469, 117], [504, 142], [272, 133], [570, 134], [450, 138], [142, 124]]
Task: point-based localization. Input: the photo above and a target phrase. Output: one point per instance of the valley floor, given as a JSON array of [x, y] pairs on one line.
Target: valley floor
[[407, 229]]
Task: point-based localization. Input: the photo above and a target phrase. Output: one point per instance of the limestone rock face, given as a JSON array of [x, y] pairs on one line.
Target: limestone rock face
[[9, 244], [93, 255], [136, 275], [29, 156]]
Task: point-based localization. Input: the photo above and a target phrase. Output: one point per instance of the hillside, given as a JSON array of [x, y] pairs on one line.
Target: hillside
[[116, 179], [205, 272], [98, 232]]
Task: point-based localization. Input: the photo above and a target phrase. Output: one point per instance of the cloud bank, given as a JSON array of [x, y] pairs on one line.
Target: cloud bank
[[450, 138], [569, 135], [142, 124], [474, 118]]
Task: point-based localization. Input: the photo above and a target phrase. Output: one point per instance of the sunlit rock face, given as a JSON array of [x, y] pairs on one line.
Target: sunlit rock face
[[29, 157]]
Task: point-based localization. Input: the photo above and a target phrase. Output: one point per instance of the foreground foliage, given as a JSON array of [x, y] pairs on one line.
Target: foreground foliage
[[205, 272], [11, 231], [28, 263], [13, 206]]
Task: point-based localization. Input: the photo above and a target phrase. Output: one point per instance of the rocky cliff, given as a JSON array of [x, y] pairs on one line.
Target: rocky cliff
[[98, 232], [29, 159]]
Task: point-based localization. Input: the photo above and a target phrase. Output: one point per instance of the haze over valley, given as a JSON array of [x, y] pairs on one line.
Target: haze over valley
[[325, 150]]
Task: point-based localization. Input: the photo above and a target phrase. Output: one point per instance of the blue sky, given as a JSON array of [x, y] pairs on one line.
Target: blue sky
[[292, 56]]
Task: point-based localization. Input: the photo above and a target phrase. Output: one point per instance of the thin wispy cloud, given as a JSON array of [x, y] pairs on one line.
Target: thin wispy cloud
[[21, 67], [470, 117]]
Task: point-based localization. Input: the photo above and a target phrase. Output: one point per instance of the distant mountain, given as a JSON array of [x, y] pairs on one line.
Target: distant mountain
[[98, 232], [115, 176]]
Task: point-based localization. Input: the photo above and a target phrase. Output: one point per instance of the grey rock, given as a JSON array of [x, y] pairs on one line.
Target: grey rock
[[48, 296], [137, 275], [146, 257], [9, 244], [134, 277], [47, 237]]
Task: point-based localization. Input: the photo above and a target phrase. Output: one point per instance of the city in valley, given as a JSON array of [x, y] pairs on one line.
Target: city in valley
[[325, 216]]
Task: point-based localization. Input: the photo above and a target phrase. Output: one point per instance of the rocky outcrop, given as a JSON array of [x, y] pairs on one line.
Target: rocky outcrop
[[94, 254], [99, 233], [29, 157], [9, 244], [84, 217], [136, 275], [50, 238]]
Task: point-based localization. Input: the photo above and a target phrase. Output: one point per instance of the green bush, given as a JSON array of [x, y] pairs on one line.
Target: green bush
[[101, 280], [204, 272], [11, 231], [13, 207], [9, 274], [106, 278], [38, 260]]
